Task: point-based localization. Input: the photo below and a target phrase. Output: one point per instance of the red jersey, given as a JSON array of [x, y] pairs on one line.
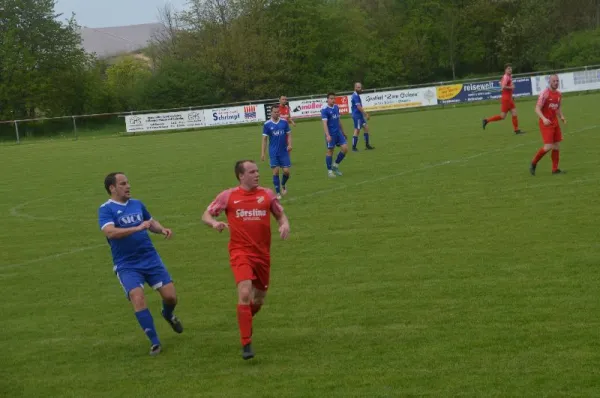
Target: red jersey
[[506, 80], [284, 112], [249, 218], [549, 102]]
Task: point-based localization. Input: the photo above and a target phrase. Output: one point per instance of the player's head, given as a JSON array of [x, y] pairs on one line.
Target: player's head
[[246, 171], [553, 82], [358, 87], [117, 186], [330, 98], [508, 69], [283, 100], [274, 112]]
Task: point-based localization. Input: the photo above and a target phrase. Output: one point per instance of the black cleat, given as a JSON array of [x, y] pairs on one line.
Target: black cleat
[[559, 171], [155, 350], [247, 352], [174, 322], [354, 149], [369, 146], [532, 169], [484, 123], [519, 132]]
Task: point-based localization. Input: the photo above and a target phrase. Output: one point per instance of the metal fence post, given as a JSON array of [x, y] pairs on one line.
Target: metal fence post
[[17, 131], [75, 128]]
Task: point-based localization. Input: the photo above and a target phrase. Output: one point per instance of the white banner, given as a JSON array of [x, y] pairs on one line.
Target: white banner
[[399, 99], [571, 81], [165, 121], [307, 107], [235, 115]]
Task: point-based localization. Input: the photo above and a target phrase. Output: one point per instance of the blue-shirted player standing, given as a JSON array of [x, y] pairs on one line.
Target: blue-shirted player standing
[[279, 135], [334, 135], [360, 117], [124, 222]]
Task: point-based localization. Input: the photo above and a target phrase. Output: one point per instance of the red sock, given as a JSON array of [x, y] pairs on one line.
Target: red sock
[[515, 121], [539, 155], [244, 315], [494, 118], [255, 308], [555, 156]]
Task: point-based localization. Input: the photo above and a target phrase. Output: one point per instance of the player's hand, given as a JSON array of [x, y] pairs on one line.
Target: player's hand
[[262, 158], [284, 231], [167, 233], [328, 137], [293, 123], [220, 226], [145, 225], [563, 119], [546, 122], [368, 116], [289, 148]]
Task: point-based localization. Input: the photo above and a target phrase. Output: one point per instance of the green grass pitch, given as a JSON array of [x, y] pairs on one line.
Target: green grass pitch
[[435, 266]]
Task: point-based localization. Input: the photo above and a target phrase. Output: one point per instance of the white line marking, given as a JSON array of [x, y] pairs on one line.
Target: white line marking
[[52, 256]]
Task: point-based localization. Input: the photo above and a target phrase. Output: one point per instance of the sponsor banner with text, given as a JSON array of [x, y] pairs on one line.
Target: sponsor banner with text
[[480, 91], [399, 99], [235, 115], [165, 121], [568, 82], [312, 107]]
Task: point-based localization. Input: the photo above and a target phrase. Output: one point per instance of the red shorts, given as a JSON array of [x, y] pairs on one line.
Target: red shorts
[[507, 105], [551, 134], [256, 269]]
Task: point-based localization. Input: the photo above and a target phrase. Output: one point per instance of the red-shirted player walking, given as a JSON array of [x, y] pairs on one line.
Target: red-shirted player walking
[[548, 108], [507, 101], [285, 113], [248, 208]]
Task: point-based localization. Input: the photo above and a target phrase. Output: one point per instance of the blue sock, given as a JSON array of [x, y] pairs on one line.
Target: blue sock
[[367, 138], [340, 157], [276, 183], [286, 177], [328, 161], [354, 141], [145, 320], [168, 310]]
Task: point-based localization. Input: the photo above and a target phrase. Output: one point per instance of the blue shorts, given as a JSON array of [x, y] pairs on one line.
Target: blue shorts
[[359, 121], [337, 139], [155, 277], [280, 160]]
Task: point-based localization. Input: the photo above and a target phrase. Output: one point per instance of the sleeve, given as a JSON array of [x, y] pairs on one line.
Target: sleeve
[[105, 217], [542, 98], [276, 207], [145, 213], [265, 130], [219, 205], [324, 114], [504, 81]]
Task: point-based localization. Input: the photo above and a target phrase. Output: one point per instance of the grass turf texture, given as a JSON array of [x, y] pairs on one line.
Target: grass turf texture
[[436, 265]]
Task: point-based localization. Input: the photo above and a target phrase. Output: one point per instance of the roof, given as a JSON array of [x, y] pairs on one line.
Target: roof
[[109, 42]]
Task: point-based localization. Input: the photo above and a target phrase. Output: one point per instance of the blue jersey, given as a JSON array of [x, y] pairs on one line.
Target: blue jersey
[[332, 115], [277, 133], [356, 101], [135, 251]]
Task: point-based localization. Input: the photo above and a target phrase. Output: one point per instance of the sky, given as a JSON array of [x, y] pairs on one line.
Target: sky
[[106, 13]]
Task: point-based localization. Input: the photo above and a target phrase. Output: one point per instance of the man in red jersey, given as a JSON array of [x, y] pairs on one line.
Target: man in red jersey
[[284, 110], [548, 108], [507, 102], [248, 208]]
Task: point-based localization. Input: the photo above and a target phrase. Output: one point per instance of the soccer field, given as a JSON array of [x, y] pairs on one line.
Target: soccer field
[[437, 265]]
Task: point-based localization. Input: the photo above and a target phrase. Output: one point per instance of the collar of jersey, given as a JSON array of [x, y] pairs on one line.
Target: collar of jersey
[[117, 203]]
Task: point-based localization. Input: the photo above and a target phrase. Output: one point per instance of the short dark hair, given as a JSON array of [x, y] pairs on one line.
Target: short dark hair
[[239, 167], [506, 65], [111, 179], [274, 106], [329, 94]]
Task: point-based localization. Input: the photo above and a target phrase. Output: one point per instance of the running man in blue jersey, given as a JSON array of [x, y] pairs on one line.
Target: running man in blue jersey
[[360, 117], [279, 134], [124, 222], [334, 135]]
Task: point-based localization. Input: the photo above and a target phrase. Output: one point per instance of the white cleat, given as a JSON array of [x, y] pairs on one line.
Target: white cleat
[[279, 196], [336, 171], [283, 191], [331, 174], [155, 350]]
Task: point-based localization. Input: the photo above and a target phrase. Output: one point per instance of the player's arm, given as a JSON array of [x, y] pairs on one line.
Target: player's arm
[[108, 228], [290, 116], [341, 127], [538, 108], [362, 110], [325, 128], [280, 216], [157, 228], [559, 112], [263, 147], [503, 84], [214, 209], [288, 132]]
